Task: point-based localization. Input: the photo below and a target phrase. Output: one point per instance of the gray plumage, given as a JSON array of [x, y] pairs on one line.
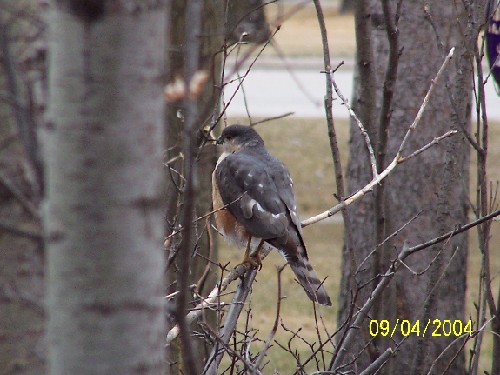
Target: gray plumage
[[258, 191]]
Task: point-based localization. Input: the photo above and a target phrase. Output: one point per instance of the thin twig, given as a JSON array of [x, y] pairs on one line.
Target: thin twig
[[267, 119], [452, 233], [290, 71], [267, 345], [421, 110], [397, 159], [176, 232], [240, 83], [364, 133], [201, 281], [14, 230], [16, 193], [436, 140], [465, 336], [392, 235], [225, 347]]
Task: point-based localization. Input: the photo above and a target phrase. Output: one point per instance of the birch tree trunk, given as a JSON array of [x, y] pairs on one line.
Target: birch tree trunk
[[434, 184], [104, 217]]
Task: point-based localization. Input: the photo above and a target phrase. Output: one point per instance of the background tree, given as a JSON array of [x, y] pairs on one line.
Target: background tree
[[393, 75], [22, 98], [104, 150], [347, 6], [208, 55]]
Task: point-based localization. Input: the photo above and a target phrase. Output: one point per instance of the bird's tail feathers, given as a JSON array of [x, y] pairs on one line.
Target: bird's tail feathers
[[309, 280]]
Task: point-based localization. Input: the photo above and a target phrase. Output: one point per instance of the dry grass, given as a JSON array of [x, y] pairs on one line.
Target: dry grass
[[299, 34], [303, 145]]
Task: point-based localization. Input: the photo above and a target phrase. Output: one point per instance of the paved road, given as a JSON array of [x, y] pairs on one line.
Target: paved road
[[272, 92]]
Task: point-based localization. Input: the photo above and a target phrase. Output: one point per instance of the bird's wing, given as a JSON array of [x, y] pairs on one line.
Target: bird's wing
[[246, 185], [258, 191], [284, 184]]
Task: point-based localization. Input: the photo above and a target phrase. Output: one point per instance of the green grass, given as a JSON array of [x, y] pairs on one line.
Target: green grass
[[303, 145]]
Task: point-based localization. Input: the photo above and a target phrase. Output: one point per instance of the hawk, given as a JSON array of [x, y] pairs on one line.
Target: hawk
[[254, 204]]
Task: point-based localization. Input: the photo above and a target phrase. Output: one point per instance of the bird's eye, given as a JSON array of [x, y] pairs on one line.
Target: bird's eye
[[228, 137]]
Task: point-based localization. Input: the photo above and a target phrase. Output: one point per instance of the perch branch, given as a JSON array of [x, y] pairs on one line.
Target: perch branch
[[236, 273], [230, 322]]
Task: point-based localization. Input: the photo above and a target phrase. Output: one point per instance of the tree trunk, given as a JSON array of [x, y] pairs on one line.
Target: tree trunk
[[22, 315], [435, 183], [209, 60], [104, 151], [348, 6], [246, 22]]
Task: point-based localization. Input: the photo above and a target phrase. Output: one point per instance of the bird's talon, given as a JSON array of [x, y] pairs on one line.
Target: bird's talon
[[253, 261]]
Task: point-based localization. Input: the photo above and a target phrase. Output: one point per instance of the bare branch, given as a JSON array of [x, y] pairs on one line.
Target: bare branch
[[176, 232], [242, 79], [192, 51], [421, 110], [392, 235], [376, 365], [230, 321], [272, 118], [458, 230], [16, 193], [397, 159], [14, 230], [466, 337], [436, 140], [369, 187], [289, 69], [25, 123], [364, 133], [264, 350]]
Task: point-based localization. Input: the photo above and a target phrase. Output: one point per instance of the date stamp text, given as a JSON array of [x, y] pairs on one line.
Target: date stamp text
[[429, 328]]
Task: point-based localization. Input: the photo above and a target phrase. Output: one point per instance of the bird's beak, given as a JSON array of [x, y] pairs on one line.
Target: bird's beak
[[219, 140]]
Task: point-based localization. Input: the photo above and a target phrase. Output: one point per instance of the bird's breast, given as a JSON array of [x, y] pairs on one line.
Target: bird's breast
[[226, 223]]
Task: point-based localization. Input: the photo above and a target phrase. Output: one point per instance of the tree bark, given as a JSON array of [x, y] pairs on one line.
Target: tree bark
[[246, 22], [103, 219], [435, 183], [210, 57], [348, 6]]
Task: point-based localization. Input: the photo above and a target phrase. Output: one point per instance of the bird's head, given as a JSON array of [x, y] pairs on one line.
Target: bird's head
[[235, 137]]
